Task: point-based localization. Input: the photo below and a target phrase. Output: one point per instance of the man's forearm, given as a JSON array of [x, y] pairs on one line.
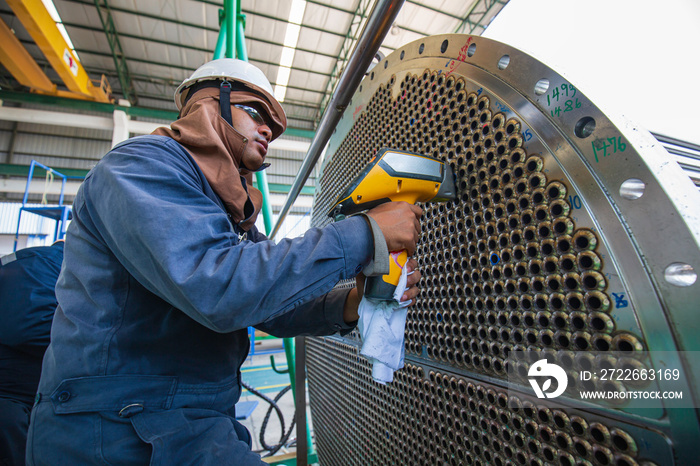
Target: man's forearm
[[352, 303]]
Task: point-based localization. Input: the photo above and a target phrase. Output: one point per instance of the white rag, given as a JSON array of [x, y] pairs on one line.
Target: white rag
[[382, 327]]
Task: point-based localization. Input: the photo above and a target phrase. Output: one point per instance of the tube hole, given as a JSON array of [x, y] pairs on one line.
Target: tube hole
[[581, 343], [625, 346], [584, 127], [602, 345], [620, 443]]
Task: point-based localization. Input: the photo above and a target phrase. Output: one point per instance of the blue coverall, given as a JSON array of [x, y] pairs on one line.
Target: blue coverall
[[27, 303], [155, 297]]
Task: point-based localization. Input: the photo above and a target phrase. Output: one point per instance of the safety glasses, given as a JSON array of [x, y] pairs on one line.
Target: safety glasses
[[254, 114]]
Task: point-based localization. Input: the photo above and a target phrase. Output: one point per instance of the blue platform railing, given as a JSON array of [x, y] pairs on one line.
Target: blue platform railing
[[60, 213]]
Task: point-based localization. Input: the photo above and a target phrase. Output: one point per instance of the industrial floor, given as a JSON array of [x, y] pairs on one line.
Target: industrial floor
[[257, 372]]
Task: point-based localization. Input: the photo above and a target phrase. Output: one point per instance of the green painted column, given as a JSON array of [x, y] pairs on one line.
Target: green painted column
[[241, 50], [229, 26], [220, 49], [261, 178]]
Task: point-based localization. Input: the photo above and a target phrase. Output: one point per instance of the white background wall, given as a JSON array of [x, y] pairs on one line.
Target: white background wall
[[638, 58]]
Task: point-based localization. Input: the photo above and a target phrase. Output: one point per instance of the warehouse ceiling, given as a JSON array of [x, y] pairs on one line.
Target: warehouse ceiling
[[146, 48]]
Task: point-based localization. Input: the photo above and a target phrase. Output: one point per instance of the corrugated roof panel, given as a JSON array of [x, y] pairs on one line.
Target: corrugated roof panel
[[431, 20], [47, 145], [90, 37], [451, 7], [271, 29], [184, 10], [395, 42], [329, 43], [89, 40], [295, 95], [160, 67], [97, 62], [190, 12], [148, 28], [75, 12], [190, 61], [305, 80], [51, 145], [344, 4], [65, 131], [301, 112], [274, 9], [154, 103], [269, 70], [319, 63], [321, 17], [302, 124], [35, 140], [265, 53]]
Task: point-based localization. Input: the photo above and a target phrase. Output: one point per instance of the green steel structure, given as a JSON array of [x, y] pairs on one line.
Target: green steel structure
[[120, 64]]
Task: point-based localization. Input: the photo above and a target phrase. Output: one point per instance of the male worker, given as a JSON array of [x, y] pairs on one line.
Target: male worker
[[27, 303], [165, 270]]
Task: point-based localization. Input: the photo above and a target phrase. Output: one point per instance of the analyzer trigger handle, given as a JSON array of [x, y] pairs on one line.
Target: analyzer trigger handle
[[382, 288]]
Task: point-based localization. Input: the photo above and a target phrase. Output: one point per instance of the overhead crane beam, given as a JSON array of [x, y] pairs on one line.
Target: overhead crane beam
[[38, 22], [20, 63]]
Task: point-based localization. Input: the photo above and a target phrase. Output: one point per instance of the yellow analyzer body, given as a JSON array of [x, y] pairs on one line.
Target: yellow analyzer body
[[394, 175]]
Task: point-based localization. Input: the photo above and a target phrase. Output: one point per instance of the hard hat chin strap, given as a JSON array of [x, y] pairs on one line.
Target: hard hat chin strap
[[225, 101], [225, 109]]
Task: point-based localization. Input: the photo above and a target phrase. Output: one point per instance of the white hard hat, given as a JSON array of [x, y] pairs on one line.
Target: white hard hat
[[233, 70]]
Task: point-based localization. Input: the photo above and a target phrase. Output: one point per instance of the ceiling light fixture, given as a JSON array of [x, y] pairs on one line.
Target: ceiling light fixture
[[291, 37]]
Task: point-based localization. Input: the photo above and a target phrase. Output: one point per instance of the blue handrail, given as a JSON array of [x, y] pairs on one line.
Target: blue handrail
[[62, 211]]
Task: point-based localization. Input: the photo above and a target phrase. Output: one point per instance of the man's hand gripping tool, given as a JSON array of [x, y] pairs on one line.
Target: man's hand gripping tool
[[394, 175]]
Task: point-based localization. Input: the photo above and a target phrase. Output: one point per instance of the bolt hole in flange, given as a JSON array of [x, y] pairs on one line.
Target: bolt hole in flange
[[632, 189], [444, 45], [584, 127], [504, 62], [541, 86], [680, 274]]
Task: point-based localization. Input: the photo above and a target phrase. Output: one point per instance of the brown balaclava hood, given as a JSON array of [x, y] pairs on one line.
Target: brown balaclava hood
[[217, 148]]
